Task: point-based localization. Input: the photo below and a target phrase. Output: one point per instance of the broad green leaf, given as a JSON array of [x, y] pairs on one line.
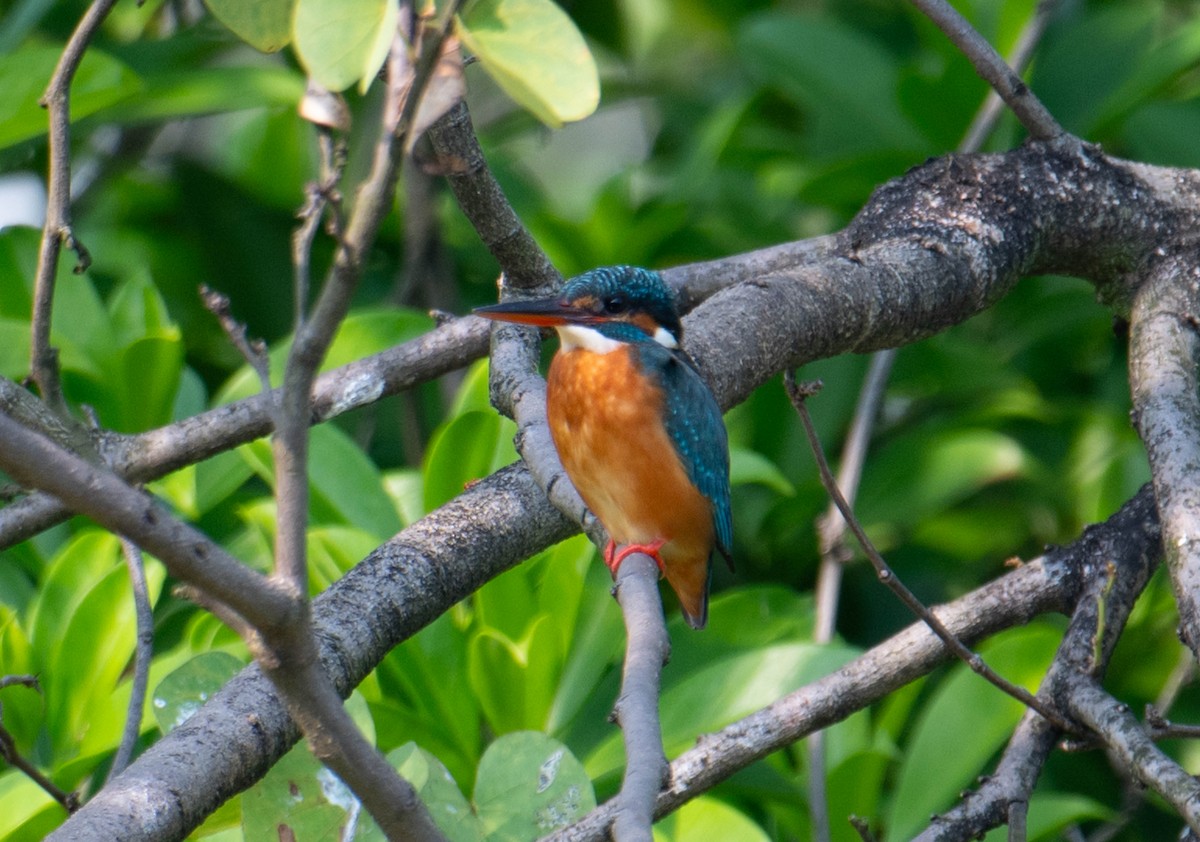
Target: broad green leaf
[[433, 782], [100, 81], [962, 725], [706, 818], [536, 54], [208, 90], [842, 77], [420, 689], [346, 486], [87, 649], [14, 348], [514, 680], [263, 24], [528, 786], [26, 810], [186, 689], [301, 796], [467, 449], [726, 689], [746, 466], [343, 41], [332, 550]]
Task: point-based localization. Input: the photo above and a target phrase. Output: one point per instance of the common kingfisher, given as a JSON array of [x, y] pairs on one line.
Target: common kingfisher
[[636, 428]]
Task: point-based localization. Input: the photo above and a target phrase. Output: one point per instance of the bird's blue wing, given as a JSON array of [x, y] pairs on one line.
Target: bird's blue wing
[[694, 424]]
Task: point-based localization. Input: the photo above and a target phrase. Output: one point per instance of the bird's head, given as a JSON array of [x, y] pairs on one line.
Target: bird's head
[[610, 301]]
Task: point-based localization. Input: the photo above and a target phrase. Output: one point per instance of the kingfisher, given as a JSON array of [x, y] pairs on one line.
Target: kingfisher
[[636, 427]]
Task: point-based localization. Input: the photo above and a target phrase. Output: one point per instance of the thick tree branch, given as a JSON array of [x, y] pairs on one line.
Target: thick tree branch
[[1164, 349]]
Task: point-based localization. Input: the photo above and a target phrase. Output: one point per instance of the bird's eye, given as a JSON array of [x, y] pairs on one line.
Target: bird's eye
[[615, 304]]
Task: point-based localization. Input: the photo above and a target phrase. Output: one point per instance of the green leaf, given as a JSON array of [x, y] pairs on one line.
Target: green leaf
[[726, 689], [433, 782], [100, 81], [843, 78], [514, 680], [536, 54], [302, 796], [747, 466], [342, 41], [265, 25], [706, 818], [26, 810], [530, 785], [181, 693], [208, 90], [467, 449]]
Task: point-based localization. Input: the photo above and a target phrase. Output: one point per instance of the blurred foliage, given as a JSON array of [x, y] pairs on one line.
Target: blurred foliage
[[723, 127]]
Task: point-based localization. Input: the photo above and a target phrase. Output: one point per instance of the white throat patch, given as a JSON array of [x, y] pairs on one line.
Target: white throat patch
[[590, 339], [587, 338]]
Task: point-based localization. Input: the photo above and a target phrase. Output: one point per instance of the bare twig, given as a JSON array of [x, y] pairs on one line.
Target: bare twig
[[1161, 728], [142, 654], [798, 393], [831, 535], [647, 649], [254, 352], [57, 232], [1039, 122], [1027, 42], [10, 755]]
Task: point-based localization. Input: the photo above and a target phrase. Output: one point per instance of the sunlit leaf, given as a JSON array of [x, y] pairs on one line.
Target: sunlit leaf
[[534, 51], [529, 785], [179, 695], [263, 24], [342, 41]]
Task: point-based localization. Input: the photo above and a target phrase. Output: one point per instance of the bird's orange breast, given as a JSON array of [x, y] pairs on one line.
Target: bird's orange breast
[[607, 422]]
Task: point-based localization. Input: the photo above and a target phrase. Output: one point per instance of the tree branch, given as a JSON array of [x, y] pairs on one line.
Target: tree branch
[[993, 69], [647, 648], [1164, 349], [56, 232]]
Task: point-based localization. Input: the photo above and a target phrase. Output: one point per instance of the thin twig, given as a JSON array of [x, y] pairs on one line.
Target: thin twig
[[57, 232], [1033, 115], [254, 352], [142, 654], [798, 393], [1027, 42], [646, 650], [831, 535], [1161, 728], [10, 755], [863, 828]]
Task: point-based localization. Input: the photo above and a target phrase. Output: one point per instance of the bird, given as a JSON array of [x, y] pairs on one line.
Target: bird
[[636, 427]]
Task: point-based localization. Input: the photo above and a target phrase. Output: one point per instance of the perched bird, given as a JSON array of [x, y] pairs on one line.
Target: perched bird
[[636, 427]]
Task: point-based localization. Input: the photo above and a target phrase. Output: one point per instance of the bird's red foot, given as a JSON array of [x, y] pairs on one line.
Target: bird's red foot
[[614, 556]]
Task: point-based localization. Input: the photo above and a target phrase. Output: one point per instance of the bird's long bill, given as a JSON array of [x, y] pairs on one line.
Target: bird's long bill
[[542, 312]]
